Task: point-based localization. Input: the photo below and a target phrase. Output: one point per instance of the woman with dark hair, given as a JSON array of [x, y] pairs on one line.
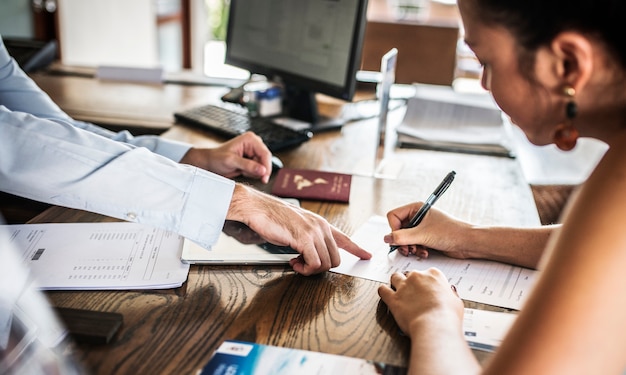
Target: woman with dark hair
[[558, 69]]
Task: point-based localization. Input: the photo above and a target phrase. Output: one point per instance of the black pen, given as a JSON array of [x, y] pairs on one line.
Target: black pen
[[419, 215]]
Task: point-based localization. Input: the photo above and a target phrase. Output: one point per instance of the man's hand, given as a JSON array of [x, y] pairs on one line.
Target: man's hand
[[284, 224], [245, 155]]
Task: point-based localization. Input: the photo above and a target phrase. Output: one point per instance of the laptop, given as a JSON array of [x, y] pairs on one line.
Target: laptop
[[237, 245]]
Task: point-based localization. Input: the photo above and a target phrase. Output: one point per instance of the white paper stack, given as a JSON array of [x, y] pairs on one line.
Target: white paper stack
[[98, 256], [439, 118]]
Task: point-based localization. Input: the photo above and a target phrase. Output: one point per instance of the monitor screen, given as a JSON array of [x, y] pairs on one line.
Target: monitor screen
[[308, 46]]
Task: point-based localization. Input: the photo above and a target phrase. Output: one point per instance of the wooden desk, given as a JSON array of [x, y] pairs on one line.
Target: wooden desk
[[143, 108], [176, 331]]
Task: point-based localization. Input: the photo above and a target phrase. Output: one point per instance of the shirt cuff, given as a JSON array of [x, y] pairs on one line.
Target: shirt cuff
[[203, 216], [171, 149]]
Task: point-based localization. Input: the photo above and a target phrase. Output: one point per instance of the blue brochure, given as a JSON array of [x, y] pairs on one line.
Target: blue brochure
[[238, 358]]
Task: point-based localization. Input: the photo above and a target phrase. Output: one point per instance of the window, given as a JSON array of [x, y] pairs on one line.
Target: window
[[215, 46]]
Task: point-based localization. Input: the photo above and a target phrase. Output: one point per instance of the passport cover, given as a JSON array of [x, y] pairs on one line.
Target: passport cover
[[312, 184]]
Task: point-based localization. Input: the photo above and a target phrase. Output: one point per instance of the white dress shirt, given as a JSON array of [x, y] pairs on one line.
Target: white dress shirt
[[47, 156]]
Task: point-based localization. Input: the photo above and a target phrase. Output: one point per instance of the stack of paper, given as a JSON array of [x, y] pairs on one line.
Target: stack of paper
[[439, 118], [97, 256]]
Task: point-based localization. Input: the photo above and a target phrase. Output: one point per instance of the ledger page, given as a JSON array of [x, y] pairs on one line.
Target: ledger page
[[481, 281]]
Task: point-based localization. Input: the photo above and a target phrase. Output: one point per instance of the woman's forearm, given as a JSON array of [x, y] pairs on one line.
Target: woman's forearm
[[520, 246], [439, 347]]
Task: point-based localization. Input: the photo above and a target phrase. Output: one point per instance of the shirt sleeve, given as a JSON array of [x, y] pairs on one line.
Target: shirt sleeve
[[19, 93], [55, 162], [47, 156]]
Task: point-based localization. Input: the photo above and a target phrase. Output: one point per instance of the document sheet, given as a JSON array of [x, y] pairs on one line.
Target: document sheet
[[441, 119], [84, 256], [484, 330], [481, 281]]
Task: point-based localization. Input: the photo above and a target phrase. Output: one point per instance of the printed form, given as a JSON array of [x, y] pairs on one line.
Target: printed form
[[85, 256], [481, 281], [484, 330]]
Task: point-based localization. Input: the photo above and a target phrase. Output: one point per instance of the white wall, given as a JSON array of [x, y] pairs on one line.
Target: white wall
[[111, 32]]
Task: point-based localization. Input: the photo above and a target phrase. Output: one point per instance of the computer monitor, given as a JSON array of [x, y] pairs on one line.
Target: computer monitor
[[308, 46]]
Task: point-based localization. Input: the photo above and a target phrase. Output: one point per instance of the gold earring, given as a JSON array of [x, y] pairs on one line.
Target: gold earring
[[566, 135]]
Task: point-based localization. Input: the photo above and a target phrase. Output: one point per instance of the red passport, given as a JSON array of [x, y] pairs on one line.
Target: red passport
[[312, 184]]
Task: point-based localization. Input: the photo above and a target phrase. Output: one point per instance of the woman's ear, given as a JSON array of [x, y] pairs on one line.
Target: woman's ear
[[573, 59]]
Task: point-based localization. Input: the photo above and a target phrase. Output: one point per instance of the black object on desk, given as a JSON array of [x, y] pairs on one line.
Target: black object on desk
[[31, 54], [91, 327], [234, 120]]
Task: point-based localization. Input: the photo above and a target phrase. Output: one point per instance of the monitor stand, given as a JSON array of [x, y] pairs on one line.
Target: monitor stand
[[300, 112]]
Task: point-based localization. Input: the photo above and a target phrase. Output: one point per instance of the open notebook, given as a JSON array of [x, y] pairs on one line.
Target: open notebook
[[237, 244]]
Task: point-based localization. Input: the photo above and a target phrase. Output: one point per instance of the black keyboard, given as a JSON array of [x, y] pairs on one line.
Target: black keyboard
[[234, 120]]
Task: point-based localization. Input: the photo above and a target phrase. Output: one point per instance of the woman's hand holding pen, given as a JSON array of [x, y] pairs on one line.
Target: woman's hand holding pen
[[438, 231], [419, 215]]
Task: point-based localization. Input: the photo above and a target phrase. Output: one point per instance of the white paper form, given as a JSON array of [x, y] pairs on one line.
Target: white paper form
[[484, 330], [96, 256], [481, 281]]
